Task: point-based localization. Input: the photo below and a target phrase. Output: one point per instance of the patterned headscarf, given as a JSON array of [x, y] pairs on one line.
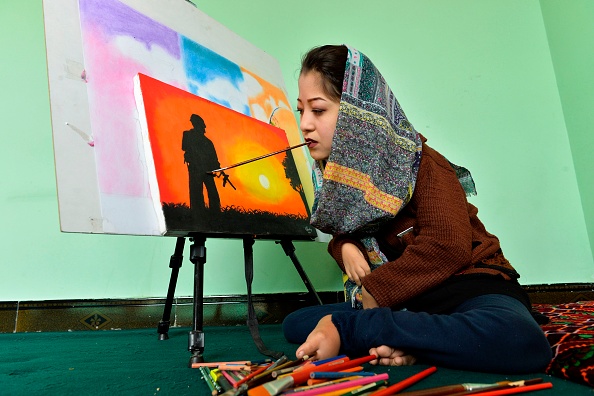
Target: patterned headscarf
[[371, 172]]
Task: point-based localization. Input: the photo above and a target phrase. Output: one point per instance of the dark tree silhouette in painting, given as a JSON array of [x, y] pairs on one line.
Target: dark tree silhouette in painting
[[292, 174]]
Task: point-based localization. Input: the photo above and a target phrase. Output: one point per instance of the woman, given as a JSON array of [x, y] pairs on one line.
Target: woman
[[425, 281]]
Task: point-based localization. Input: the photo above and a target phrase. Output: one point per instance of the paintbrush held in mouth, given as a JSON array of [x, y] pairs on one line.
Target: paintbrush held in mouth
[[212, 172]]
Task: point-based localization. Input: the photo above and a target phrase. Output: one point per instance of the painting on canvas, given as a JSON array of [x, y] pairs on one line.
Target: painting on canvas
[[188, 137]]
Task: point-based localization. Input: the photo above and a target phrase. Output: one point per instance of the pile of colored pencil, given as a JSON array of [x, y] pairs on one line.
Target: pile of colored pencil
[[332, 377], [225, 376]]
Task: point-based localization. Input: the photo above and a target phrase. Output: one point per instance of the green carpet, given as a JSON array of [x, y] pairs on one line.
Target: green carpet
[[135, 362]]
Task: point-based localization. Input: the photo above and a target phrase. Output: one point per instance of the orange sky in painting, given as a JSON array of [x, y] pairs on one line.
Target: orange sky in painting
[[261, 185]]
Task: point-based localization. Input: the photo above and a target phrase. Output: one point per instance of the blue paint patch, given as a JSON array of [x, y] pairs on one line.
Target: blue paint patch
[[203, 65]]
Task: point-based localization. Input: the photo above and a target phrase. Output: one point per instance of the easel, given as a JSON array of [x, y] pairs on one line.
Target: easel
[[198, 258]]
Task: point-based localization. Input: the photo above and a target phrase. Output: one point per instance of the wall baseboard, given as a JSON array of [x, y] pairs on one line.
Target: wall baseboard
[[560, 293], [75, 315]]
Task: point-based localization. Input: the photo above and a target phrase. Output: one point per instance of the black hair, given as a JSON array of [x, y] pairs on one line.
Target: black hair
[[330, 62]]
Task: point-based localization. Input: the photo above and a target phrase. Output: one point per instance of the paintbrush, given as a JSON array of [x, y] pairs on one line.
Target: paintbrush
[[298, 377], [469, 388], [212, 172], [515, 389], [288, 367]]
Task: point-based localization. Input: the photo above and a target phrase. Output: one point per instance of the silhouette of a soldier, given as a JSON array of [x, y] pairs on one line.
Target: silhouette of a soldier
[[200, 156]]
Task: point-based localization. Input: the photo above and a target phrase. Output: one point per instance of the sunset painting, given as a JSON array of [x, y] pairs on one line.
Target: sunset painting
[[188, 136]]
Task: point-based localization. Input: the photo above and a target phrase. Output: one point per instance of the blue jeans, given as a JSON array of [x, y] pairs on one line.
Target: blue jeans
[[489, 333]]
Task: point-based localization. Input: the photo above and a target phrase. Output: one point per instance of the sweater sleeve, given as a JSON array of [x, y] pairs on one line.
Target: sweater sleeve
[[441, 242], [335, 248]]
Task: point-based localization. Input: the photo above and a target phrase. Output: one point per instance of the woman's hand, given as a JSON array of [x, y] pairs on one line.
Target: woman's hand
[[355, 265], [388, 356]]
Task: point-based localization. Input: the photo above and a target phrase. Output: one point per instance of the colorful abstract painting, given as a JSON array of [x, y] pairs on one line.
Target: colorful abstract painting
[[188, 137], [119, 40]]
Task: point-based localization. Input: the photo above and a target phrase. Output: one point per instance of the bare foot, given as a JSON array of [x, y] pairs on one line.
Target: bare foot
[[323, 342], [388, 356]]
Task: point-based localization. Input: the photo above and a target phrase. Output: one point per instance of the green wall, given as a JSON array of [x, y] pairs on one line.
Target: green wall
[[489, 83], [570, 32]]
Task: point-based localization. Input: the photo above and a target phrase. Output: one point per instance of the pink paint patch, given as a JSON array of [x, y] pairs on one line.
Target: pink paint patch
[[114, 119]]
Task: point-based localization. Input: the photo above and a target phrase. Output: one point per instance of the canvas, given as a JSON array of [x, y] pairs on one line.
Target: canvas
[[187, 137], [95, 50]]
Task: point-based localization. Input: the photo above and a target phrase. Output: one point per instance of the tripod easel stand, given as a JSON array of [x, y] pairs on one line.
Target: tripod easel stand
[[198, 258]]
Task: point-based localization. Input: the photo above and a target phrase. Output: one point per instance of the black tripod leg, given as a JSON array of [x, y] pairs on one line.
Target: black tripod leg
[[289, 249], [175, 263], [196, 336]]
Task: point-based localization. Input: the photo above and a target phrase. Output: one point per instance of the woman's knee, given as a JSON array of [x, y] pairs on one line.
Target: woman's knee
[[498, 334], [516, 343]]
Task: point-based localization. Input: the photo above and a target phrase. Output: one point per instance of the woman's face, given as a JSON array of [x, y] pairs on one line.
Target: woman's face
[[318, 115]]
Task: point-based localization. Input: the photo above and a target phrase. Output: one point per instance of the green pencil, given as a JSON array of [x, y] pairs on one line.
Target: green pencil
[[365, 388], [208, 380]]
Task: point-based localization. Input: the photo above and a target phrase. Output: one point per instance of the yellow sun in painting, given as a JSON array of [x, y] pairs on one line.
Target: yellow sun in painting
[[264, 182]]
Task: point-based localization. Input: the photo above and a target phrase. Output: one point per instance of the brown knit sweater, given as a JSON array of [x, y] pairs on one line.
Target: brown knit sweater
[[447, 239]]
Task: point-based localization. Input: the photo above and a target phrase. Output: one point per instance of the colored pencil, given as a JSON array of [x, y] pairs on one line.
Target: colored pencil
[[319, 383], [323, 361], [209, 377], [365, 389], [220, 379], [298, 377], [353, 372], [390, 390], [302, 376], [328, 362], [252, 375], [208, 380], [231, 380], [341, 392], [343, 385], [338, 374], [217, 364]]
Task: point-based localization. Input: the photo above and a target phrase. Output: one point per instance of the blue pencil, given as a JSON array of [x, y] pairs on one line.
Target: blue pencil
[[318, 362]]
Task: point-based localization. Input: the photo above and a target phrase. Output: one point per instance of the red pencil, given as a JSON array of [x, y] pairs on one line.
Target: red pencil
[[405, 383], [252, 375]]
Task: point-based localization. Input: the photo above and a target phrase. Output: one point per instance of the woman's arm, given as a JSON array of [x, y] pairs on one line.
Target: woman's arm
[[441, 242]]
